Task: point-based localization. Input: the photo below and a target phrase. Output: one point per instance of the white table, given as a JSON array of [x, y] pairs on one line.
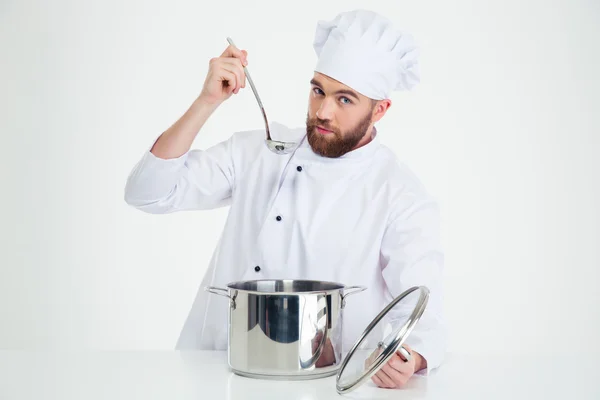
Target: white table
[[204, 375]]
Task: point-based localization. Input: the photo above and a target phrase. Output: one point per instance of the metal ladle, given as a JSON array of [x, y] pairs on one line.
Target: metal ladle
[[274, 145]]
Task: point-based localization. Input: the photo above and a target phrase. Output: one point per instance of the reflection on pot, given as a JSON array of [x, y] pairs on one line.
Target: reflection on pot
[[277, 316]]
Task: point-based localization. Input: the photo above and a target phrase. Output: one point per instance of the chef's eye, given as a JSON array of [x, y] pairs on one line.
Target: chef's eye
[[318, 91], [345, 100]]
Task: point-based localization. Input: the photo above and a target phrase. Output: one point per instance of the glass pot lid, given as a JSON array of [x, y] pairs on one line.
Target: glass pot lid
[[382, 338]]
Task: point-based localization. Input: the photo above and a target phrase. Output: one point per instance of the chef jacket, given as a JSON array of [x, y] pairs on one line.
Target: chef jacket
[[361, 219]]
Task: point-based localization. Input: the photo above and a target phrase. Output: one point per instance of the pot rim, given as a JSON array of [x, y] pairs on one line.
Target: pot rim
[[335, 287]]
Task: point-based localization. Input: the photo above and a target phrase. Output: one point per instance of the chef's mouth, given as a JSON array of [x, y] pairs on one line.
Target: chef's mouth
[[323, 130]]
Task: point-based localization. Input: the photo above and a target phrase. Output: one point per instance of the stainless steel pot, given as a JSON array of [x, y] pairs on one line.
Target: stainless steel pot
[[285, 329]]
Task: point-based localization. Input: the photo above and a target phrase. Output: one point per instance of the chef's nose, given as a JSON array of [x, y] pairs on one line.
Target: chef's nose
[[325, 110]]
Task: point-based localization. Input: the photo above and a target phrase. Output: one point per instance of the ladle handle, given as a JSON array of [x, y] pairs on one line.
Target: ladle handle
[[262, 109], [249, 78]]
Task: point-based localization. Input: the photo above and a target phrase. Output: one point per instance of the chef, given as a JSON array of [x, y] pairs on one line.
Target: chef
[[341, 207]]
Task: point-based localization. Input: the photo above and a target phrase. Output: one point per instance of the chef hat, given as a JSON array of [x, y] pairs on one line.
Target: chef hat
[[362, 50]]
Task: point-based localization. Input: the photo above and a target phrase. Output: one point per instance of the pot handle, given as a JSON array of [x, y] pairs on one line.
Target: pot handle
[[221, 292], [349, 290]]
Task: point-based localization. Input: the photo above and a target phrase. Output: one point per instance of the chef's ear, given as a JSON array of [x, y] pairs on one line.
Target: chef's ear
[[380, 108]]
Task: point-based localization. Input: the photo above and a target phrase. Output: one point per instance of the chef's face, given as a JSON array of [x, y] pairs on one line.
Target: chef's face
[[339, 119]]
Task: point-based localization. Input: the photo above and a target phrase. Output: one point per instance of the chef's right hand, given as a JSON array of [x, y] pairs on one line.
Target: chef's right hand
[[225, 76]]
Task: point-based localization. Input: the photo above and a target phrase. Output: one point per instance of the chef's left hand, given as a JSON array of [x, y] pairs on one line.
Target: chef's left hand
[[397, 372]]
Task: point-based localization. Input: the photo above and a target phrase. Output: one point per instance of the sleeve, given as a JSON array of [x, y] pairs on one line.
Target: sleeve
[[197, 180], [412, 256]]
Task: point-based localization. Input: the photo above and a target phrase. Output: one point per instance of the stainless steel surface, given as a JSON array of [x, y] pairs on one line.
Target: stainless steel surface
[[273, 145], [288, 286], [351, 290], [222, 292], [285, 329], [405, 353], [362, 362]]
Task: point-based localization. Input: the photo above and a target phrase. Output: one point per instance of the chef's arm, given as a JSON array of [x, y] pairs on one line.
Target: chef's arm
[[177, 140], [170, 177], [412, 256]]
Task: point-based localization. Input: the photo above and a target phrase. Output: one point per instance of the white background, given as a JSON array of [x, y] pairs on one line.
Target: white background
[[503, 130]]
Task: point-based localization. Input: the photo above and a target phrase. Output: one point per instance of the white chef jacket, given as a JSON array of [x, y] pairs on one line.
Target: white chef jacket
[[360, 219]]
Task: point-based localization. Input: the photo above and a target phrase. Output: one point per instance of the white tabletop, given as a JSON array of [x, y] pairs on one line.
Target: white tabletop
[[204, 375]]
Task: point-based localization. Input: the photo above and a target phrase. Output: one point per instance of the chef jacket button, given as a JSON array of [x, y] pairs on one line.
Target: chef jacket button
[[299, 168], [257, 268], [278, 218]]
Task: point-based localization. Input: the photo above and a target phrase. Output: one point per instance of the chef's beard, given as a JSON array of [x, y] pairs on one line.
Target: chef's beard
[[335, 144]]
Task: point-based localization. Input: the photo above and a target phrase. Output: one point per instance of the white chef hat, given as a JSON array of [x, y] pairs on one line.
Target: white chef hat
[[363, 50]]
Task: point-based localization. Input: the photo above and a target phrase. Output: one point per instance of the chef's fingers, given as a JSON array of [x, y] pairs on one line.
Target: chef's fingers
[[236, 65], [397, 377], [377, 381], [236, 72], [397, 363], [385, 379], [232, 51], [229, 78]]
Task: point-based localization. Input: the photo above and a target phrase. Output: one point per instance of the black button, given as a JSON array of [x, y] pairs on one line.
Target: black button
[[299, 168], [257, 268], [278, 218]]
